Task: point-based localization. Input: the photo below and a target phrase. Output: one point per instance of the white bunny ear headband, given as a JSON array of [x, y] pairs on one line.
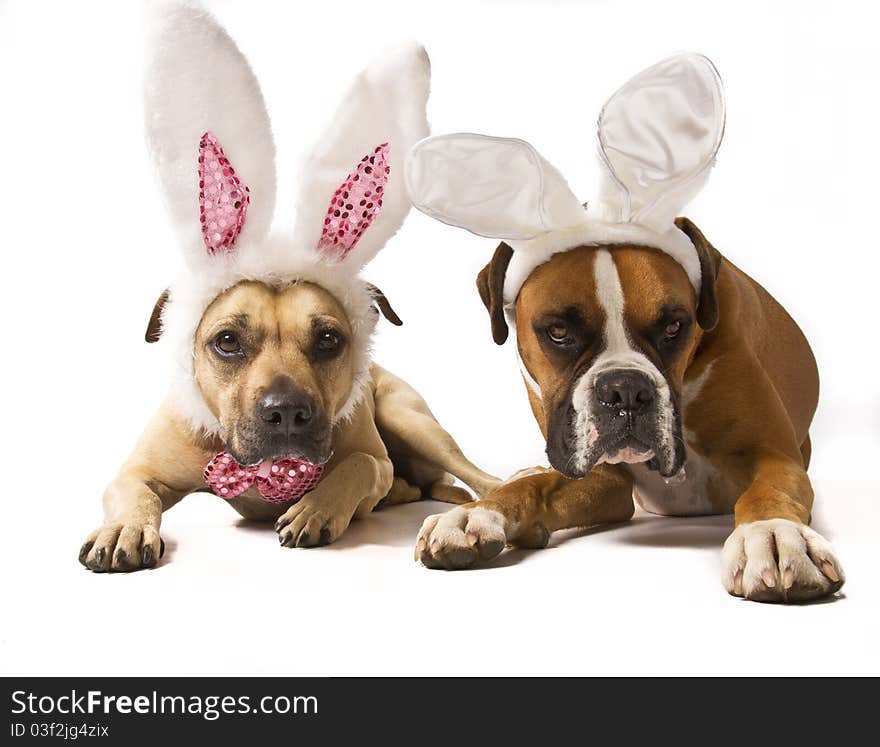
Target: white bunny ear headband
[[657, 139], [210, 139]]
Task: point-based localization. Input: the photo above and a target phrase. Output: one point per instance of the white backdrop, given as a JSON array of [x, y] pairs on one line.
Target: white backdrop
[[87, 249]]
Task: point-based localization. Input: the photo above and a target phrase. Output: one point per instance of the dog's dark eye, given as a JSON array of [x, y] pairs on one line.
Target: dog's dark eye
[[672, 330], [558, 333], [328, 341], [227, 343]]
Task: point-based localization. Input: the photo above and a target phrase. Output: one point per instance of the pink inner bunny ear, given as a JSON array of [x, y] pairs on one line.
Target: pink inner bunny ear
[[223, 199], [355, 204]]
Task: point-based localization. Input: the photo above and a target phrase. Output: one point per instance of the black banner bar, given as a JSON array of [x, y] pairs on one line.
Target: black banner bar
[[113, 710]]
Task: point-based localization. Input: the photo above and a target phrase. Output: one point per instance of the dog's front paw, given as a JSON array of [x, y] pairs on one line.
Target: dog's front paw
[[460, 537], [122, 547], [306, 524], [779, 561]]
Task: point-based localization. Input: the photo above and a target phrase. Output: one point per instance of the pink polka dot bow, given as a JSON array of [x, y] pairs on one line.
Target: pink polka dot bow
[[277, 481]]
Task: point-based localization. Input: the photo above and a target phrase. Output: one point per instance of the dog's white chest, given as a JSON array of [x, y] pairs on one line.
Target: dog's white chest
[[690, 497]]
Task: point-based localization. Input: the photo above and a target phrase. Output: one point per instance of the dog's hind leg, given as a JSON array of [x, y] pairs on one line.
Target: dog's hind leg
[[444, 490], [401, 492], [415, 478], [411, 431]]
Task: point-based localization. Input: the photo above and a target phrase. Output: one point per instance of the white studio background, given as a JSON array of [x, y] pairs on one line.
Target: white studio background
[[87, 249]]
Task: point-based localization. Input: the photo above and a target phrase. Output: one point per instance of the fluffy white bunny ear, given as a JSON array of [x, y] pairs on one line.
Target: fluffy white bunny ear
[[658, 137], [208, 133], [352, 198], [496, 187]]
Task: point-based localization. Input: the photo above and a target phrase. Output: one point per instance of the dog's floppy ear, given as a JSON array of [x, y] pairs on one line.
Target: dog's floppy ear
[[490, 284], [154, 326], [384, 306], [710, 265]]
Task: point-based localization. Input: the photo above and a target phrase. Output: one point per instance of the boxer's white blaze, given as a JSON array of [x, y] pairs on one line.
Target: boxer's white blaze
[[690, 391], [618, 353], [529, 379]]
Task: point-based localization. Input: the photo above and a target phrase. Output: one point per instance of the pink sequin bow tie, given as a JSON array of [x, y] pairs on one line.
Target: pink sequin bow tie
[[277, 482]]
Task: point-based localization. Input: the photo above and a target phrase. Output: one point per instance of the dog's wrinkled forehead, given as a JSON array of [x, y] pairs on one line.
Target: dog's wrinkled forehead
[[279, 310], [642, 281], [650, 282]]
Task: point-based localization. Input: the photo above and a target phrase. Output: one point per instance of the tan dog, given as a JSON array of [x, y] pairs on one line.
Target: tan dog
[[654, 367], [297, 368], [275, 403]]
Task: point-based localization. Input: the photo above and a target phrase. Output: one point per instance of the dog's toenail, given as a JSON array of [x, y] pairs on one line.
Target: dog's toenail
[[830, 571], [737, 583], [147, 555], [84, 551]]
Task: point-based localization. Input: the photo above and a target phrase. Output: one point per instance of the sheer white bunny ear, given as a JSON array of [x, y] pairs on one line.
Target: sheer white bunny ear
[[352, 198], [496, 187], [658, 137], [208, 133]]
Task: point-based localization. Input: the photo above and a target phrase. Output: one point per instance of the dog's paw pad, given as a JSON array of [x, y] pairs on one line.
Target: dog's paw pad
[[121, 547], [779, 561], [461, 537], [306, 525]]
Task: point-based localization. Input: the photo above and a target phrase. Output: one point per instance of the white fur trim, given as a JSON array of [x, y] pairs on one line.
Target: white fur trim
[[528, 255]]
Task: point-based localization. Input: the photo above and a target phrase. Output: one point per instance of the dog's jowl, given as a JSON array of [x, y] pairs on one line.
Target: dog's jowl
[[655, 368], [275, 404]]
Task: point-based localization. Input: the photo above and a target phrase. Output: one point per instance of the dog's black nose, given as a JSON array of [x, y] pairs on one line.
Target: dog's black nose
[[287, 413], [625, 389]]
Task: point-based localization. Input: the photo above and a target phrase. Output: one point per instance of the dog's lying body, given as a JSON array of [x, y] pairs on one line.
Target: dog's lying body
[[274, 402], [730, 394], [275, 396]]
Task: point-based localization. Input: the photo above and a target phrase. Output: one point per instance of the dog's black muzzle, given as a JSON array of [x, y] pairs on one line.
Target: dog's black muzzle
[[624, 410], [286, 422]]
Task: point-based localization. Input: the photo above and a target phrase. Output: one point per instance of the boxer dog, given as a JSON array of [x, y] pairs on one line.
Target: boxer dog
[[655, 368], [275, 404]]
